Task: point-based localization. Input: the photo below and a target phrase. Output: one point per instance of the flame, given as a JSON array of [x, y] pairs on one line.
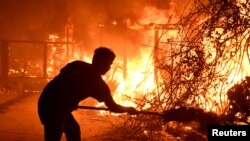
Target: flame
[[234, 71], [140, 78], [140, 71]]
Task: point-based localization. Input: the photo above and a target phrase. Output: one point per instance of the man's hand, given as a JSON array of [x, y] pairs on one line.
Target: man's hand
[[131, 110], [123, 109]]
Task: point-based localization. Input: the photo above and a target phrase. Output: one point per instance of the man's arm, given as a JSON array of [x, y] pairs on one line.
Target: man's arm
[[102, 93], [113, 106]]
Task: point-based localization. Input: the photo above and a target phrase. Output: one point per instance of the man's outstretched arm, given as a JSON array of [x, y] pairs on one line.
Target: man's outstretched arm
[[104, 95], [114, 107]]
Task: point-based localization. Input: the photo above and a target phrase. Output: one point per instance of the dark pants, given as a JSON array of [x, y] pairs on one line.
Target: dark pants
[[55, 125]]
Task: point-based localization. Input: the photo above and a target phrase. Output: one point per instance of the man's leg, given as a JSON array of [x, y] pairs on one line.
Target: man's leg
[[52, 133], [53, 126], [72, 129]]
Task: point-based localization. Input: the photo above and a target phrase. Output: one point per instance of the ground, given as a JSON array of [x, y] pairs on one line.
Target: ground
[[20, 122]]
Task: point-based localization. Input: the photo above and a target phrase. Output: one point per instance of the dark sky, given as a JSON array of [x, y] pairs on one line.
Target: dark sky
[[35, 19]]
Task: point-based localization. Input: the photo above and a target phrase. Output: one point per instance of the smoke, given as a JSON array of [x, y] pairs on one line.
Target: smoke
[[104, 23], [30, 19], [93, 20], [18, 18]]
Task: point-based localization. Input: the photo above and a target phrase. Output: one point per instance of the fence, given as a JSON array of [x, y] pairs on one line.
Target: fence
[[26, 62]]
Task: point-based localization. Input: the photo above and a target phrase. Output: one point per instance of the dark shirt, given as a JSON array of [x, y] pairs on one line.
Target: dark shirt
[[76, 81]]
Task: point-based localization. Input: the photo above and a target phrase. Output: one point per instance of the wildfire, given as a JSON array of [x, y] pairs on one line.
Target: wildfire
[[138, 77]]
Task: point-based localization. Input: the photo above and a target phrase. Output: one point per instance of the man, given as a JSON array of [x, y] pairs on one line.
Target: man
[[76, 81]]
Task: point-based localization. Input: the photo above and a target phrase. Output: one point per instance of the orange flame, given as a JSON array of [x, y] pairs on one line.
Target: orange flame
[[140, 78]]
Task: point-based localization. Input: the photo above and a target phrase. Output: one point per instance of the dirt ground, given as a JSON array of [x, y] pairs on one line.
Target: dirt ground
[[20, 122]]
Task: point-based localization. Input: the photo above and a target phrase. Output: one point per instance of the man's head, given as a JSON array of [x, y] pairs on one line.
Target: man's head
[[103, 59]]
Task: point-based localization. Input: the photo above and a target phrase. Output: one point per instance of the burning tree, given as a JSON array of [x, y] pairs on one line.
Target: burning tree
[[195, 70]]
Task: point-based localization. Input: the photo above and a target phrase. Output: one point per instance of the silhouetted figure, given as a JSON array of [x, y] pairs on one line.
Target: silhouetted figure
[[76, 81]]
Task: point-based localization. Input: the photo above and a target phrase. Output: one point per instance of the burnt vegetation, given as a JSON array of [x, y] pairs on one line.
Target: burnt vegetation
[[195, 90]]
